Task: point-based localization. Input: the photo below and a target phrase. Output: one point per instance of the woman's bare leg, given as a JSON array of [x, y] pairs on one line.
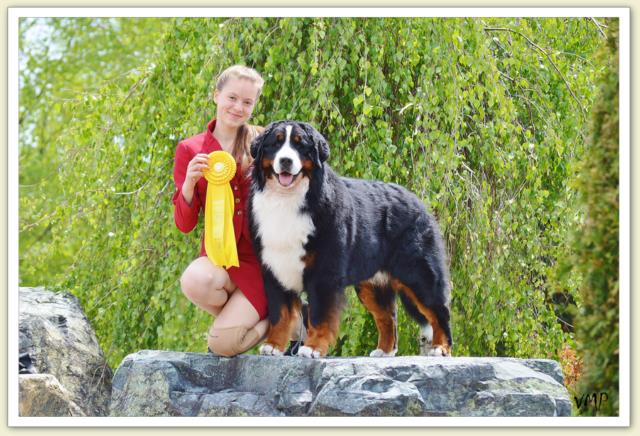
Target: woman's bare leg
[[237, 327], [206, 285]]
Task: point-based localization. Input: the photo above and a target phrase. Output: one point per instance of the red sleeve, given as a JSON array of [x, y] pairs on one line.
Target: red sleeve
[[185, 215]]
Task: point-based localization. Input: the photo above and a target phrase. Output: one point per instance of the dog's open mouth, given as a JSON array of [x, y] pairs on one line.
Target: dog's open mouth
[[286, 179]]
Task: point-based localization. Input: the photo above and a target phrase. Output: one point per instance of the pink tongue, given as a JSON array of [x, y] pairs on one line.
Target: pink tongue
[[285, 179]]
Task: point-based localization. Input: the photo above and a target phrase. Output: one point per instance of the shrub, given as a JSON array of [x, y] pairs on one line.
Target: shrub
[[481, 118]]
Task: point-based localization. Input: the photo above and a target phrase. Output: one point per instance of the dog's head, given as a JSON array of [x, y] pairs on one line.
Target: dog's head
[[287, 152]]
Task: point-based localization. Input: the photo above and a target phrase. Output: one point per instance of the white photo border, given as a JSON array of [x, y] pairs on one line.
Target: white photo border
[[623, 420]]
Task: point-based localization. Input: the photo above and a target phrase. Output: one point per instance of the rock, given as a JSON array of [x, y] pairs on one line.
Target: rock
[[56, 338], [43, 395], [367, 395], [163, 383]]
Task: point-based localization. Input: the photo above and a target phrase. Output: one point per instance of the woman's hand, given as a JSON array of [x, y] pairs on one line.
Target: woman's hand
[[196, 166]]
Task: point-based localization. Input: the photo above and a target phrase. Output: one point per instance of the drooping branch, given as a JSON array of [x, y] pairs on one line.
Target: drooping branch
[[599, 27], [548, 56]]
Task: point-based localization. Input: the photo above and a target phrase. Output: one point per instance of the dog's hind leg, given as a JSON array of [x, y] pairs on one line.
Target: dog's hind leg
[[438, 318], [381, 303], [425, 338], [440, 330]]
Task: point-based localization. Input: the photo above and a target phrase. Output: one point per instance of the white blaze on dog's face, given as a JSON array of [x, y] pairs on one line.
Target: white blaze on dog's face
[[287, 153], [287, 163]]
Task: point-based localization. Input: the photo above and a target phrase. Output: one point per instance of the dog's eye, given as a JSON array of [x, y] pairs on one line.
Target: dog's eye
[[297, 139], [280, 136]]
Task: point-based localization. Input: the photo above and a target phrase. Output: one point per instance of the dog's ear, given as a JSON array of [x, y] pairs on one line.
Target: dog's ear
[[258, 142], [257, 148], [322, 147]]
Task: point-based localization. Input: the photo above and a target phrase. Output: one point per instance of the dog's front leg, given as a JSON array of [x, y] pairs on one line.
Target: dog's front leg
[[324, 320], [280, 330], [284, 309]]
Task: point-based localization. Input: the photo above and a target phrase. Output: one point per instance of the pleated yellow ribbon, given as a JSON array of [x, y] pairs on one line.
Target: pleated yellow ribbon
[[219, 237]]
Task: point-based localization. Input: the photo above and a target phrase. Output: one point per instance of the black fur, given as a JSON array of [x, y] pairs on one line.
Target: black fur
[[361, 227]]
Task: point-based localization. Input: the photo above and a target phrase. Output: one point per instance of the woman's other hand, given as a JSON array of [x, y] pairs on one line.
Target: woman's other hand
[[195, 168]]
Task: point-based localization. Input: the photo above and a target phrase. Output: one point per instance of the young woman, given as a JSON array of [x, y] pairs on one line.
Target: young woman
[[234, 296]]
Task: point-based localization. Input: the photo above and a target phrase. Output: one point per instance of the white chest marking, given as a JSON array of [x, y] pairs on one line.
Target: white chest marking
[[283, 231]]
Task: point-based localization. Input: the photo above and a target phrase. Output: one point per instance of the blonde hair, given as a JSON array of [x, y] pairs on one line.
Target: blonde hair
[[246, 132]]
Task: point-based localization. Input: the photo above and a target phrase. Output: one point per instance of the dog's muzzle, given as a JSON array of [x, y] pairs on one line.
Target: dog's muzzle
[[286, 164], [284, 170]]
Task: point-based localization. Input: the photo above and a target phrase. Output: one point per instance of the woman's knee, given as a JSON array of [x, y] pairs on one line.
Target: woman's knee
[[200, 279], [230, 341]]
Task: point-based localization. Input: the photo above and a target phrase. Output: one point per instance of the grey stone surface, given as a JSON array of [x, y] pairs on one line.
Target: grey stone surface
[[163, 383], [60, 341], [43, 395]]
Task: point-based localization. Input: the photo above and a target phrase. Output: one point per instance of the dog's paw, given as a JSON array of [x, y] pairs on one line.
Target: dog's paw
[[380, 353], [438, 351], [269, 350], [425, 338], [309, 352]]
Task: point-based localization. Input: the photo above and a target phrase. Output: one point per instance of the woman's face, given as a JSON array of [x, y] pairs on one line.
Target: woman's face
[[235, 102]]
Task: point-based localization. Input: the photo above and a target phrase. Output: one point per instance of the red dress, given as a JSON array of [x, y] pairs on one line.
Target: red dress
[[247, 276]]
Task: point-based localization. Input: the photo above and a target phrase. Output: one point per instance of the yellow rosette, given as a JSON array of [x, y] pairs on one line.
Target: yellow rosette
[[219, 237]]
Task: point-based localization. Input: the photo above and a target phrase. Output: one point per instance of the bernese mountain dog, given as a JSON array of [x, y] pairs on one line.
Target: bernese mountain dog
[[317, 232]]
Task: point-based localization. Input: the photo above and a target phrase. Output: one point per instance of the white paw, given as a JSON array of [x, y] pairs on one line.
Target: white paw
[[269, 350], [308, 352], [379, 353], [437, 351], [426, 338], [426, 333]]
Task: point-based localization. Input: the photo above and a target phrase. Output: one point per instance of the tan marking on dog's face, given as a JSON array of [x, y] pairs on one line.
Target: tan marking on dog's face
[[307, 169], [307, 164]]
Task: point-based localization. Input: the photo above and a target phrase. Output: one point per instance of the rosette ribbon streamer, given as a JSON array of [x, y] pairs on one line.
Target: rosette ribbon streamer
[[219, 237]]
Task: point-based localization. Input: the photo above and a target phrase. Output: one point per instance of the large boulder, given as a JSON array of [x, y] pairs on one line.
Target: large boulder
[[57, 339], [162, 383], [43, 395]]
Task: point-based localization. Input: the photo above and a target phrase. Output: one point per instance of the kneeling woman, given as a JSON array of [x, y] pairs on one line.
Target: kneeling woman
[[234, 296]]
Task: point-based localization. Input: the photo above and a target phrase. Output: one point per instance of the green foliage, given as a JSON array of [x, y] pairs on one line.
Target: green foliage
[[63, 62], [481, 118], [596, 245]]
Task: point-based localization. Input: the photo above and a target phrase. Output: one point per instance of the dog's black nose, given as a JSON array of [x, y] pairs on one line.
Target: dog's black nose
[[286, 163]]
